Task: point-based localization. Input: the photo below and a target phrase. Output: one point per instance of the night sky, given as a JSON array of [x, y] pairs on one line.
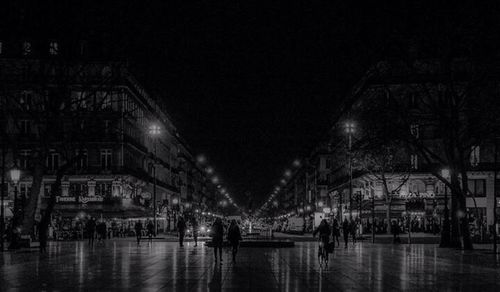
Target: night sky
[[252, 85]]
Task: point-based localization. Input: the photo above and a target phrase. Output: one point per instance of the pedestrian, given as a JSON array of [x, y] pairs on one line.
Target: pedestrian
[[234, 237], [91, 227], [151, 228], [345, 231], [217, 237], [138, 231], [194, 225], [353, 227], [395, 232], [101, 232], [335, 231], [181, 228]]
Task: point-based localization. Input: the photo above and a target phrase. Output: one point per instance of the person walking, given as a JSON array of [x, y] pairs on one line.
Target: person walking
[[234, 237], [181, 228], [335, 231], [91, 227], [345, 231], [194, 225], [150, 227], [138, 231], [353, 227], [217, 237], [101, 232], [395, 232]]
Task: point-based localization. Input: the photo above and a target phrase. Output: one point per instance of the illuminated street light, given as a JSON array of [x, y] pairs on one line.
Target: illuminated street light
[[288, 173], [296, 163], [209, 170], [215, 180], [154, 130], [283, 182], [201, 159]]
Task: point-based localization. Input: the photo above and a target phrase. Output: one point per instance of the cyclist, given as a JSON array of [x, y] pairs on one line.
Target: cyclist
[[324, 231]]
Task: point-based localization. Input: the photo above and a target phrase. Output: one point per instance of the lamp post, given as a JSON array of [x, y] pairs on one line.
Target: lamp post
[[445, 236], [2, 202], [154, 131], [15, 175], [349, 129]]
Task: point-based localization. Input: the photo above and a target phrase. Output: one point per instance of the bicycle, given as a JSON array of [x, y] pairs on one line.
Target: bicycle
[[322, 254]]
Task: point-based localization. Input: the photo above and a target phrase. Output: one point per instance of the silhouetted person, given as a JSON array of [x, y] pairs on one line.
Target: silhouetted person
[[346, 231], [181, 228], [324, 236], [138, 231], [151, 232], [91, 227], [217, 237], [194, 225], [395, 232], [336, 231], [353, 228], [101, 232], [234, 237]]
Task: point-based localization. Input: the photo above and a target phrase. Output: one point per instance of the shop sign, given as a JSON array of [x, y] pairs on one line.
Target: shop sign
[[95, 199], [416, 195], [60, 199], [81, 200]]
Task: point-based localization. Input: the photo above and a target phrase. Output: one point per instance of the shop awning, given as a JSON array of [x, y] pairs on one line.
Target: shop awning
[[73, 210]]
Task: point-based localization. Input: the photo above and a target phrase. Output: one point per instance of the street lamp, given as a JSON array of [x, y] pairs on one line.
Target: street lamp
[[349, 129], [15, 176], [154, 131], [445, 236]]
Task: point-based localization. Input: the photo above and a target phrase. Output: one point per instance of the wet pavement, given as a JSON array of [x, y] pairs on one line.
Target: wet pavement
[[163, 266]]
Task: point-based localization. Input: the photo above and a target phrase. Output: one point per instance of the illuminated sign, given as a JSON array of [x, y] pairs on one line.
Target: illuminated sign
[[81, 200], [416, 195]]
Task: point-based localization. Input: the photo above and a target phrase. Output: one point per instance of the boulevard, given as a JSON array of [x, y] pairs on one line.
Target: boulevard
[[164, 266]]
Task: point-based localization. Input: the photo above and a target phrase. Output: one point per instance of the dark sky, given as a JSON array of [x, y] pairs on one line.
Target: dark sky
[[252, 85]]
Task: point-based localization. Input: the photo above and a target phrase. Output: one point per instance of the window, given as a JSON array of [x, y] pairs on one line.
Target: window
[[47, 189], [26, 48], [25, 127], [106, 159], [414, 161], [24, 190], [477, 187], [78, 100], [26, 99], [78, 189], [1, 47], [53, 161], [53, 48], [24, 158], [328, 164], [82, 162], [474, 156], [415, 130], [107, 125], [103, 189]]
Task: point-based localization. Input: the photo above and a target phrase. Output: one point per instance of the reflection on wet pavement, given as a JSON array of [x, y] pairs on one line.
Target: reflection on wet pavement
[[122, 265]]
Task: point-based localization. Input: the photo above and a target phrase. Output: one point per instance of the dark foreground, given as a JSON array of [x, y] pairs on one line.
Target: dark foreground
[[163, 266]]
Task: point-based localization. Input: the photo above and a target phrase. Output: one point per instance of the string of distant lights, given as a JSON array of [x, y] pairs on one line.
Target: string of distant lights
[[287, 174], [202, 161]]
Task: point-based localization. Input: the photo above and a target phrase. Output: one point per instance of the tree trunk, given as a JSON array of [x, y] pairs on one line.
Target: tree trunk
[[455, 224], [30, 208], [45, 221]]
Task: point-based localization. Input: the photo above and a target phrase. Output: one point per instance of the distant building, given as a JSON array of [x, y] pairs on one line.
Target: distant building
[[113, 176]]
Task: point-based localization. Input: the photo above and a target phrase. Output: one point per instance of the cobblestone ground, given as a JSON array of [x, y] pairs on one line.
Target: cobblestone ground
[[163, 266]]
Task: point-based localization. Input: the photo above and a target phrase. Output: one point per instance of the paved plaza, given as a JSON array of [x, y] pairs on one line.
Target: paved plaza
[[163, 266]]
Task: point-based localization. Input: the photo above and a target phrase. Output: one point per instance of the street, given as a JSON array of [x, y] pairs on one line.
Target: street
[[163, 266]]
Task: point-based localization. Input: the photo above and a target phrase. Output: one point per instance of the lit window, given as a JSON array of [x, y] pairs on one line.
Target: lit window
[[82, 162], [24, 158], [53, 161], [106, 159], [53, 48], [26, 48], [414, 161], [415, 130], [474, 156], [477, 187]]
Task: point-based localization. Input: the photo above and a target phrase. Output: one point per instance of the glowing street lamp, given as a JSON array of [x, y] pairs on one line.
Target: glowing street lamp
[[201, 159], [154, 131], [215, 180], [209, 170], [288, 173]]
